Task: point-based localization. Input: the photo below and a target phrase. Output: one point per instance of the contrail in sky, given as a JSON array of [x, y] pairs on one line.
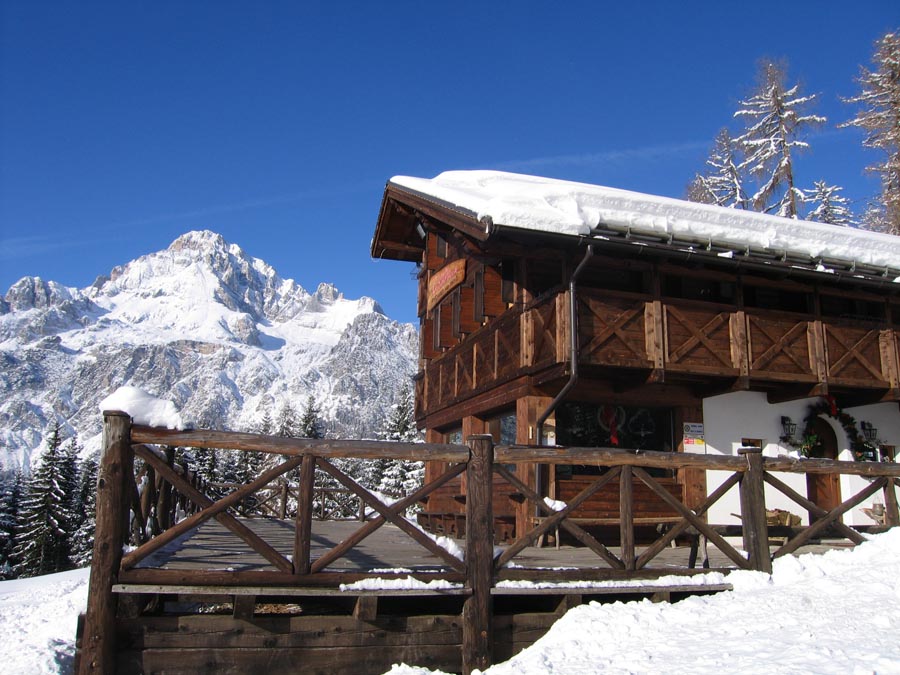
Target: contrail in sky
[[645, 153]]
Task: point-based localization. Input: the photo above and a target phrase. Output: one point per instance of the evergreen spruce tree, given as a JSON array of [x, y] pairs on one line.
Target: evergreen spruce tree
[[44, 535], [286, 424], [265, 426], [879, 117], [10, 502], [827, 206], [775, 122], [400, 477], [69, 464], [310, 421], [83, 537]]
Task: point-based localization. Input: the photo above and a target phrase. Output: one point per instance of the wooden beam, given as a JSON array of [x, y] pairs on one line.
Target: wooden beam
[[230, 440], [793, 392]]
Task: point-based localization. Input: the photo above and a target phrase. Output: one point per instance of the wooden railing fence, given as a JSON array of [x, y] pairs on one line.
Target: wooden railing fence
[[124, 514], [673, 335]]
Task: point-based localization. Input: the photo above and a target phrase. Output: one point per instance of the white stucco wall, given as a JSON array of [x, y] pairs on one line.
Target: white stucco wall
[[731, 417]]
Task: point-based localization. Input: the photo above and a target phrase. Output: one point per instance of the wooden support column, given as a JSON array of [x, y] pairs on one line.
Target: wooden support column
[[891, 512], [626, 517], [303, 533], [478, 607], [528, 409], [116, 469], [753, 511]]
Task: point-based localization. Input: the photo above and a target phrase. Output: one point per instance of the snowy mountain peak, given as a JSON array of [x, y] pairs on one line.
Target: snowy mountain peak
[[203, 324], [34, 292]]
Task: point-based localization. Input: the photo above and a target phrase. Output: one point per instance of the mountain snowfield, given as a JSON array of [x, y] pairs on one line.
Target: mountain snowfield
[[217, 332]]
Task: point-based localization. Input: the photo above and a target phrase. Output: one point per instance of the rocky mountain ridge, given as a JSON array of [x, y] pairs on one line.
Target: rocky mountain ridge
[[203, 324]]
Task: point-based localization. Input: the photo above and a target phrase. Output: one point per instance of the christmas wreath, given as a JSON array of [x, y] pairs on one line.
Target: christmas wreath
[[861, 448]]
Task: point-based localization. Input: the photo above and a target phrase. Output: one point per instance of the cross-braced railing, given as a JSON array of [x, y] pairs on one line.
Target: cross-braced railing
[[748, 472], [138, 515]]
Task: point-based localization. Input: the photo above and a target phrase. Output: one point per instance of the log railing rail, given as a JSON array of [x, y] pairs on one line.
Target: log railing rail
[[125, 517]]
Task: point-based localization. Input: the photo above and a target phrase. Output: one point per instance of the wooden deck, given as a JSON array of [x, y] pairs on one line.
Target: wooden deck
[[213, 547]]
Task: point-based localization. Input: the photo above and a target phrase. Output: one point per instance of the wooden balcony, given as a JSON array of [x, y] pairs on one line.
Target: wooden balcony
[[672, 341]]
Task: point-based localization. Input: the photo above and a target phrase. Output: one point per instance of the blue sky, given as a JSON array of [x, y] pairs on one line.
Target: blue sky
[[277, 124]]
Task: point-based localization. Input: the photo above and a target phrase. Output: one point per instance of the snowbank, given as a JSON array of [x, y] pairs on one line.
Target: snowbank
[[833, 613], [824, 614], [143, 408], [38, 618]]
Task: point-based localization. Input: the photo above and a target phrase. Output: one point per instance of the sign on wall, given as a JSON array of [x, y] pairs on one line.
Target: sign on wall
[[445, 280], [693, 436]]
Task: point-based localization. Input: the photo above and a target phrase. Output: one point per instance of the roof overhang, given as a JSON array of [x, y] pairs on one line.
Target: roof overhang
[[482, 204]]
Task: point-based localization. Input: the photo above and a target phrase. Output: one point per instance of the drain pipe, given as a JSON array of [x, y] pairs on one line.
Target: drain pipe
[[573, 346]]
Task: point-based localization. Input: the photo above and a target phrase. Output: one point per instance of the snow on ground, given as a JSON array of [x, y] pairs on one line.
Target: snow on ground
[[38, 618], [822, 614]]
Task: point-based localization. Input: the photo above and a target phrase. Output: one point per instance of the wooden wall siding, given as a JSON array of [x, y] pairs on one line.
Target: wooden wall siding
[[605, 503], [493, 293], [784, 349], [854, 355], [611, 331], [468, 321], [698, 340], [444, 321]]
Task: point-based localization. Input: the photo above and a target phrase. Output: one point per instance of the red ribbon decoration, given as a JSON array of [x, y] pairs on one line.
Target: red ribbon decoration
[[608, 417]]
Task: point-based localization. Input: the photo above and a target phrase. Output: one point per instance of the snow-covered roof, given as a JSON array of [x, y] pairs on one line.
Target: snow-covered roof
[[507, 200]]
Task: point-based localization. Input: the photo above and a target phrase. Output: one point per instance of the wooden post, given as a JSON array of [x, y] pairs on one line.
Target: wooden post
[[478, 608], [164, 501], [891, 512], [116, 469], [303, 533], [753, 511], [626, 517]]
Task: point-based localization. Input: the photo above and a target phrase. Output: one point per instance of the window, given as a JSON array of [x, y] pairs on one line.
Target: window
[[631, 427]]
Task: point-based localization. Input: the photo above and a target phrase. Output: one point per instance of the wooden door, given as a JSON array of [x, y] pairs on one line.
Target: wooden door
[[824, 489]]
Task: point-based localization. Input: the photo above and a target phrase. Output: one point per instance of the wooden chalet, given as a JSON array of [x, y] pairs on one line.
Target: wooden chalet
[[557, 312], [626, 370]]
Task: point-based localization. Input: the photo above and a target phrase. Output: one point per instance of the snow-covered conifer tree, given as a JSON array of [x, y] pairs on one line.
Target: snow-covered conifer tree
[[86, 495], [827, 206], [400, 477], [775, 121], [10, 502], [44, 535], [310, 421], [286, 425], [879, 116]]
